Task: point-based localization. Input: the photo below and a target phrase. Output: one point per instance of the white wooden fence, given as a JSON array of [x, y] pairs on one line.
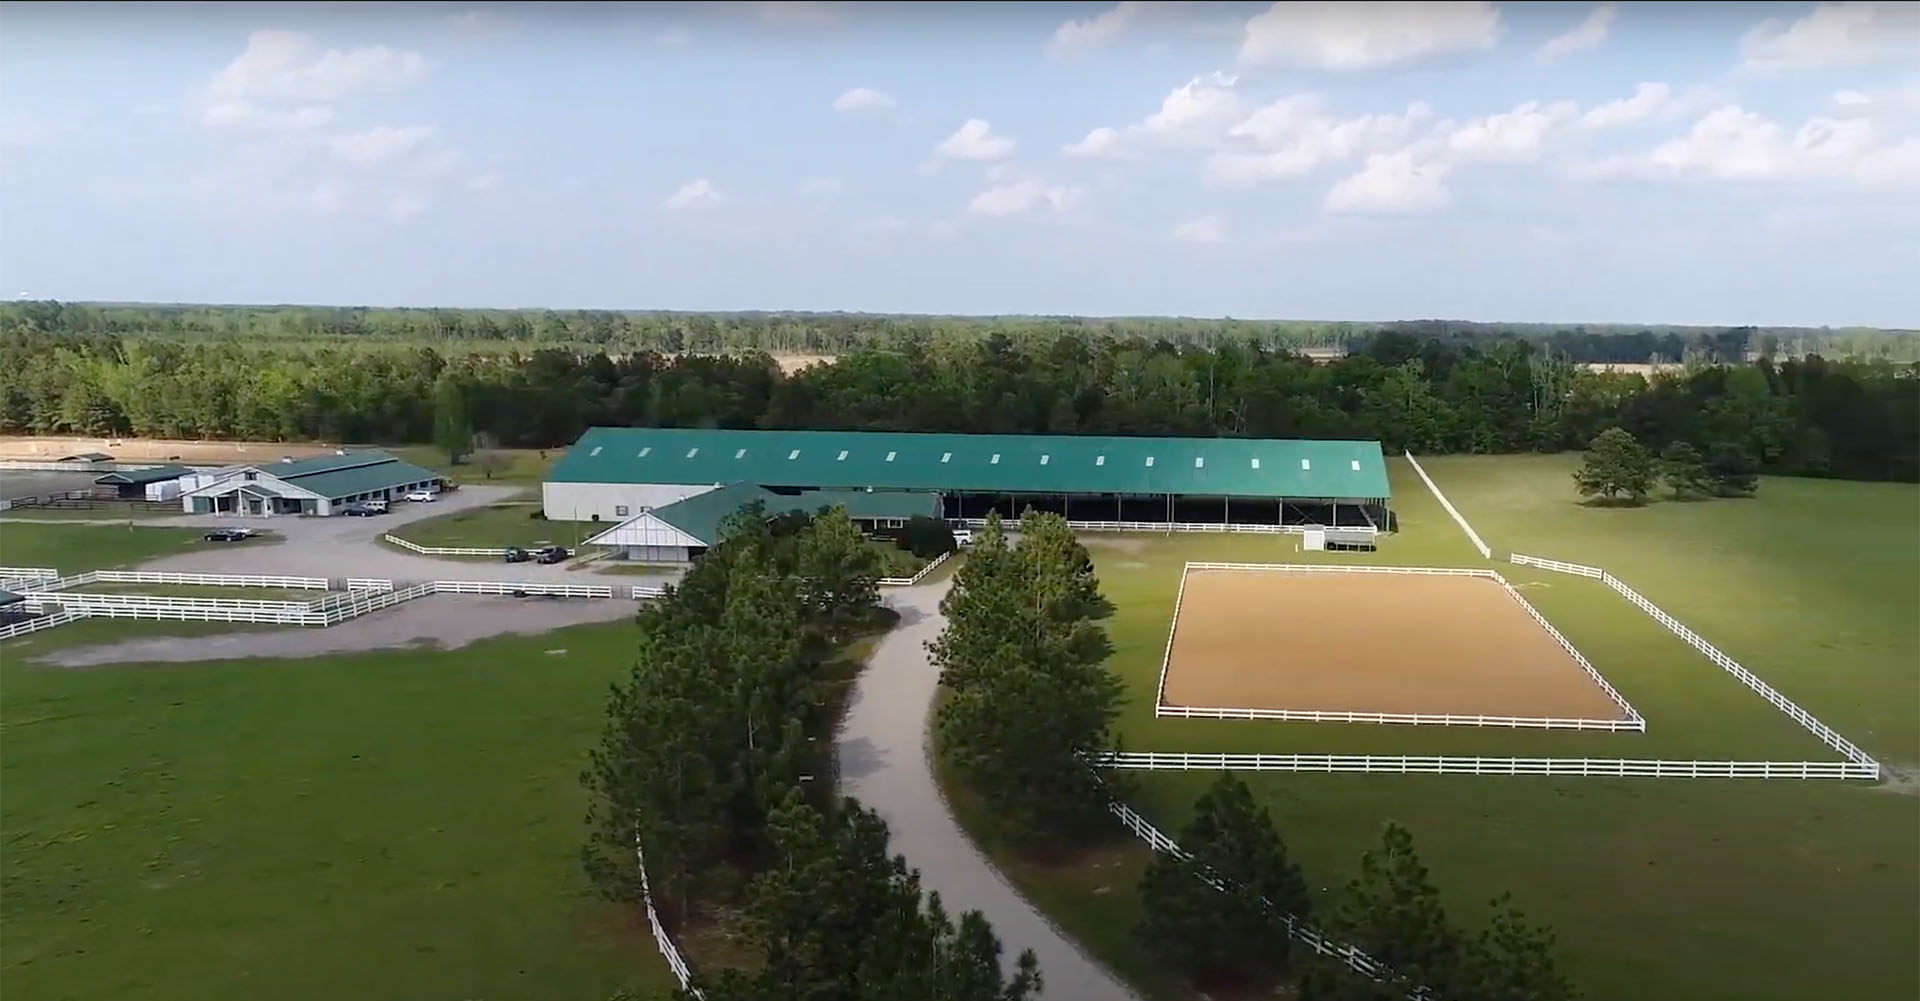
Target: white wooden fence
[[918, 577], [1186, 526], [210, 579], [522, 588], [36, 624], [10, 577], [1463, 765], [661, 941], [1458, 518], [1829, 736], [444, 550], [368, 584], [1631, 720]]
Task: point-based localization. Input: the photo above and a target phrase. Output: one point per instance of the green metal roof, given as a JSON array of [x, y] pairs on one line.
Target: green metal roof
[[702, 514], [142, 477], [343, 481], [1059, 464]]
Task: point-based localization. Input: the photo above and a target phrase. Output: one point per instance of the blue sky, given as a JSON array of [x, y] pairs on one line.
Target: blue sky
[[1720, 163]]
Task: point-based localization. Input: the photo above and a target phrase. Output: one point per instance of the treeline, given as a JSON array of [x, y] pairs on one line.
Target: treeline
[[1029, 709], [716, 765], [836, 333], [1811, 417]]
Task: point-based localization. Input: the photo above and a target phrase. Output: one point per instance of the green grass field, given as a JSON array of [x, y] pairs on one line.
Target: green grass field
[[492, 527], [507, 465], [396, 824], [1656, 887], [73, 548]]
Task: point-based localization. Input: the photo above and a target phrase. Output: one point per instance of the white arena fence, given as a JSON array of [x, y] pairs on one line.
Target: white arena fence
[[1854, 755], [14, 578], [1458, 518], [1164, 527], [1402, 764], [443, 550], [210, 579], [918, 577], [364, 595], [1631, 721]]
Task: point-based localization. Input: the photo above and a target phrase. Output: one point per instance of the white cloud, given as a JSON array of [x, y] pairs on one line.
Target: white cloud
[[975, 141], [1588, 34], [1515, 136], [1295, 135], [1100, 29], [1836, 34], [291, 66], [378, 144], [863, 99], [822, 188], [1392, 183], [697, 193], [1734, 144], [241, 114], [1648, 99], [1196, 112], [1205, 229], [1018, 197], [1356, 36]]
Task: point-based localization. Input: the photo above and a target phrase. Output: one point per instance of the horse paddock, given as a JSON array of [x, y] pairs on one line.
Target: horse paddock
[[1298, 644]]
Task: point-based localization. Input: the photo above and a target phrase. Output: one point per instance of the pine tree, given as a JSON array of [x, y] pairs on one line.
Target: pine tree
[[1392, 912], [1511, 960], [452, 430], [1219, 916]]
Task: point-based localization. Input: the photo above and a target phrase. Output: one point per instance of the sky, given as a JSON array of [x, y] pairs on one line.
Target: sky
[[1718, 163]]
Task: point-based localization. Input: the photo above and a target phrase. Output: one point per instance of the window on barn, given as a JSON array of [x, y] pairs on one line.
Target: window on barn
[[620, 510], [644, 451], [1149, 460], [1304, 464], [1256, 463], [1199, 462], [795, 454], [695, 450]]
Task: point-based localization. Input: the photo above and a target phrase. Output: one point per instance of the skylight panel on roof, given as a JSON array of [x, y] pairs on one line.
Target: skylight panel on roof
[[1099, 460], [1304, 464], [644, 450], [695, 450], [890, 456], [1199, 462], [795, 454], [995, 460], [596, 451], [740, 454], [1356, 465], [1149, 460], [1256, 463], [1043, 460], [944, 456], [843, 456]]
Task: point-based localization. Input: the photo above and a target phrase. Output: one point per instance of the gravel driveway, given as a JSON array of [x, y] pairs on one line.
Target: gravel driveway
[[882, 751]]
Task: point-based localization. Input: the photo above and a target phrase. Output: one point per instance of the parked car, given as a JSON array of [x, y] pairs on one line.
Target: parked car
[[365, 509], [422, 496], [517, 555], [551, 554], [229, 535], [963, 536]]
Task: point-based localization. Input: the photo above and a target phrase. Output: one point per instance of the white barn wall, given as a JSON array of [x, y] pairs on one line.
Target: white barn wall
[[581, 501]]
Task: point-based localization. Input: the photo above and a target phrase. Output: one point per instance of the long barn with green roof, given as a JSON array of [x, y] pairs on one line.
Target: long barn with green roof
[[1201, 484]]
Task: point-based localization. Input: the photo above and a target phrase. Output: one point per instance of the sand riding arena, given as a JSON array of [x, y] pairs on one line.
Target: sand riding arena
[[1327, 643]]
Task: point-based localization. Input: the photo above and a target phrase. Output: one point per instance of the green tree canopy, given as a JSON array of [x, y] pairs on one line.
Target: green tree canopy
[[1615, 465]]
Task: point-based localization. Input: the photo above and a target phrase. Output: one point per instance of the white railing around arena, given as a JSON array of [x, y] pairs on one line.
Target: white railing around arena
[[522, 588], [443, 550], [916, 578], [1634, 724], [29, 573], [1189, 526], [1578, 657], [37, 623], [83, 600], [642, 591], [1344, 568], [210, 579], [1461, 765], [1807, 720], [1458, 518], [368, 584]]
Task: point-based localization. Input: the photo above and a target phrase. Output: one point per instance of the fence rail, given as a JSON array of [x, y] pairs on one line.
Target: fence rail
[[443, 550], [1634, 724], [1573, 568], [1462, 765], [1458, 518], [210, 579], [1578, 658], [1827, 735], [80, 599], [37, 623], [368, 584], [28, 573], [643, 591], [916, 578], [1191, 526], [1344, 568], [522, 588], [677, 963]]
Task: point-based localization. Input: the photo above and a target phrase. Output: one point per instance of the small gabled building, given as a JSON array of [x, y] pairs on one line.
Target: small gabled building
[[682, 530], [322, 485], [159, 483]]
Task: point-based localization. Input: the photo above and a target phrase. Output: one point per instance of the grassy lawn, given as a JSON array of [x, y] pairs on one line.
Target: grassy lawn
[[492, 527], [92, 631], [395, 824], [507, 465], [101, 512], [74, 548], [1660, 888]]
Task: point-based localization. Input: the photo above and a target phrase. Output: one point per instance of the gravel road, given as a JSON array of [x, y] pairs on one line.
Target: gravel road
[[883, 761]]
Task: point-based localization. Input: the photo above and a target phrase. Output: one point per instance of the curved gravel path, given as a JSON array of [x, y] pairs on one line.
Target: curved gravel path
[[883, 761]]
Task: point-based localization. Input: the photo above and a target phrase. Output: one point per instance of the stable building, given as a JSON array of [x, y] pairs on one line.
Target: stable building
[[1101, 483], [322, 485], [682, 530], [156, 483]]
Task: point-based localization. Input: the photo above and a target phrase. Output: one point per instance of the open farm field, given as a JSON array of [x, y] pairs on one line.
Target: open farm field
[[1655, 887], [393, 824]]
